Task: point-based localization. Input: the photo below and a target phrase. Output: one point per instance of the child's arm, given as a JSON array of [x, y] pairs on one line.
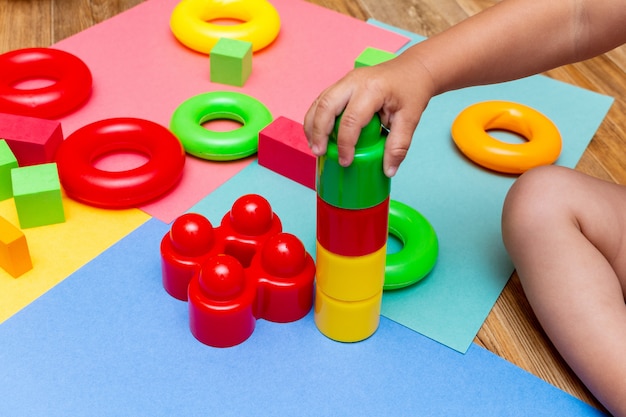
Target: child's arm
[[513, 39]]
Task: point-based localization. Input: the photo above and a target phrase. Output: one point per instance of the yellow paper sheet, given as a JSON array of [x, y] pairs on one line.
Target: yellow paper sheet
[[58, 250]]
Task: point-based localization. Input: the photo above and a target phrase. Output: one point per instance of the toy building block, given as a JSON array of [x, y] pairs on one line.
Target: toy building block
[[363, 183], [221, 303], [7, 163], [350, 278], [14, 253], [226, 299], [32, 140], [283, 148], [349, 232], [246, 227], [351, 269], [347, 321], [285, 274], [231, 61], [190, 241], [37, 194], [372, 56], [246, 269]]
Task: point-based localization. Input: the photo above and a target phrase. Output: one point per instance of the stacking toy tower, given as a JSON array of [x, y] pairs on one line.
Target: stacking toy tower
[[352, 219]]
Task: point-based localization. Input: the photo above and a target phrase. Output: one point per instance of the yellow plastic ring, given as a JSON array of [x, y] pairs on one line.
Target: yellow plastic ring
[[190, 23], [470, 133]]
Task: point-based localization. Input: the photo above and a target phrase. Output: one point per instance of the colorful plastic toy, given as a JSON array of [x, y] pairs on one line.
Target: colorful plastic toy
[[231, 62], [351, 271], [234, 274], [283, 148], [187, 120], [221, 303], [361, 185], [353, 214], [191, 240], [37, 194], [470, 133], [351, 232], [420, 247], [350, 278], [191, 23], [7, 163], [70, 88], [32, 140], [14, 253], [120, 189], [372, 56]]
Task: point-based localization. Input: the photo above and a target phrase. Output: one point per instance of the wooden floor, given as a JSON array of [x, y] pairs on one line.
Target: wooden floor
[[511, 329]]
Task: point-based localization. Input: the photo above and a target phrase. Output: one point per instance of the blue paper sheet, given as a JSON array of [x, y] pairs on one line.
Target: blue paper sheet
[[108, 341]]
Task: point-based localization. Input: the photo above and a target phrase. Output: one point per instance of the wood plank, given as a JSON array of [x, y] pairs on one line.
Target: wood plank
[[25, 24]]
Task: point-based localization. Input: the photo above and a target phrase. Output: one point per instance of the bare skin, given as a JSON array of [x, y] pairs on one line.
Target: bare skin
[[479, 50], [565, 231], [566, 234]]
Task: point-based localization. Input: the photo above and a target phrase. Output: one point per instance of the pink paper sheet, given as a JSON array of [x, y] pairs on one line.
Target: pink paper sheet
[[141, 70]]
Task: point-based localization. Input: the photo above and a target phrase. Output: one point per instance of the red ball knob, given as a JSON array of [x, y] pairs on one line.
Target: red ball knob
[[283, 255], [192, 234], [222, 278], [251, 215]]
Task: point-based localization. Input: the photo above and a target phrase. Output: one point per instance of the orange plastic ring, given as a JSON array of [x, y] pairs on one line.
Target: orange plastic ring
[[470, 133]]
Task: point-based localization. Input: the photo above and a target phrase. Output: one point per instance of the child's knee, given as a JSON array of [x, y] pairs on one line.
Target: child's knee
[[534, 200]]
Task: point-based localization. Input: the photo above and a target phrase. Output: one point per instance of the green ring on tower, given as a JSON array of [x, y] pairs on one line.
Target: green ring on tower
[[361, 185]]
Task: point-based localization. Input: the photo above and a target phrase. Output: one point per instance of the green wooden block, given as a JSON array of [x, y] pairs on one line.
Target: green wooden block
[[231, 62], [37, 193], [372, 56], [8, 161]]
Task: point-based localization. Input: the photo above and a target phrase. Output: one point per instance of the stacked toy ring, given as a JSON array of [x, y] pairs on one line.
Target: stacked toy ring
[[84, 182], [190, 23], [71, 82], [469, 131], [187, 120], [420, 247]]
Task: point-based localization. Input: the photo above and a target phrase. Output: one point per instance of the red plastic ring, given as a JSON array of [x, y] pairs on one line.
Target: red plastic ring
[[84, 182], [71, 82]]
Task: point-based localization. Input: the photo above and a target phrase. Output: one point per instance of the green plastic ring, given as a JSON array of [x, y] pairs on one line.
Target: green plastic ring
[[419, 251], [187, 120]]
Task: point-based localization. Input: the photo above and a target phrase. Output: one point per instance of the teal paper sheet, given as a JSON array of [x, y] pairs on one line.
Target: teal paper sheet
[[464, 202]]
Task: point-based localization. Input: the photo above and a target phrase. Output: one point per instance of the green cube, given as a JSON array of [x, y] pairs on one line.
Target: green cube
[[8, 161], [231, 62], [372, 56], [37, 193]]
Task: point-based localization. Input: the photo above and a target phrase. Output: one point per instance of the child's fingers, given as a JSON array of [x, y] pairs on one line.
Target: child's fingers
[[398, 142]]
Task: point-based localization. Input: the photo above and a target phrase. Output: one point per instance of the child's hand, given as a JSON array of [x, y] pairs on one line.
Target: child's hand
[[398, 90]]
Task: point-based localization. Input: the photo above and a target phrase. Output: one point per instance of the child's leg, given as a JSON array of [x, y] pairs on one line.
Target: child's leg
[[566, 234]]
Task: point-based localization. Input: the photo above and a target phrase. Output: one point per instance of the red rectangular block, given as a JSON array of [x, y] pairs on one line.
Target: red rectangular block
[[283, 148], [32, 140]]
